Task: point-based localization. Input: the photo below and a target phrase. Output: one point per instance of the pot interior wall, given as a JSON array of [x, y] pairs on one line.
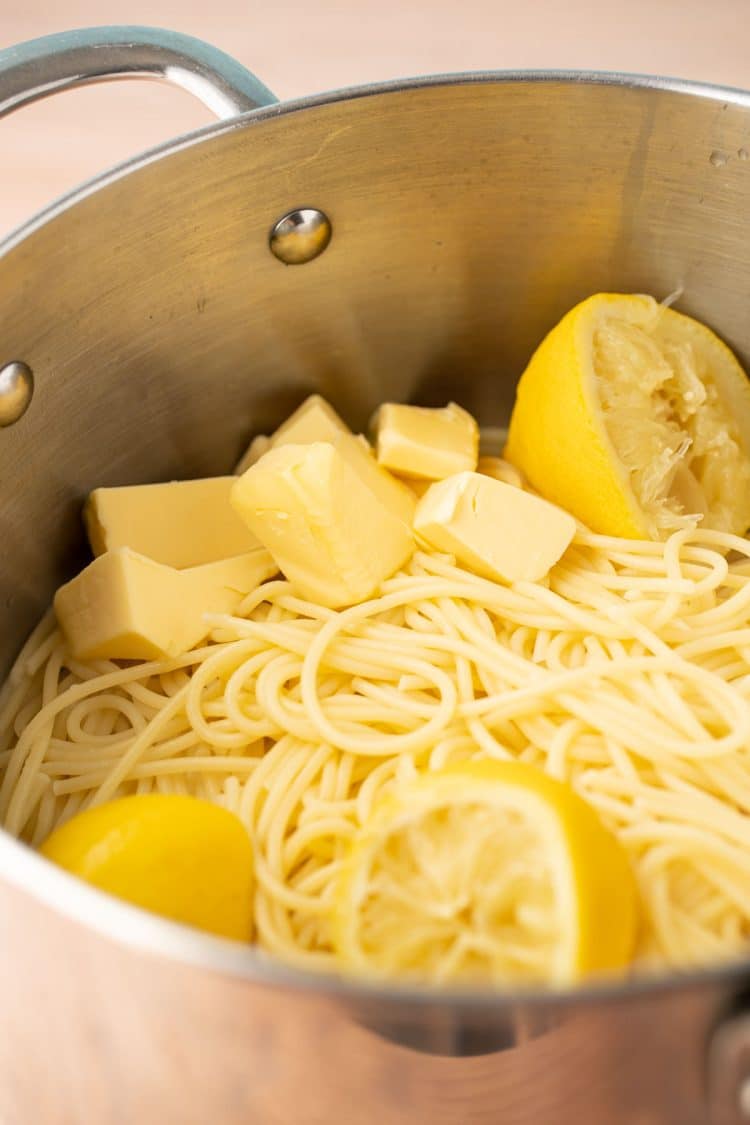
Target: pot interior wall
[[467, 218]]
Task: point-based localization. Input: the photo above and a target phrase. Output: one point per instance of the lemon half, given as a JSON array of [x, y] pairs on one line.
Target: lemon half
[[636, 419], [186, 859], [487, 871]]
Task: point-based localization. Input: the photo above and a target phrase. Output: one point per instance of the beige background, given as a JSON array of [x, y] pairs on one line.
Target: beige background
[[299, 48]]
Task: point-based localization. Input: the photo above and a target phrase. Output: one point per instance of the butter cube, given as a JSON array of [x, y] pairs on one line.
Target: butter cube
[[219, 587], [393, 494], [419, 441], [181, 524], [315, 420], [331, 535], [418, 485], [124, 606], [493, 528], [260, 444]]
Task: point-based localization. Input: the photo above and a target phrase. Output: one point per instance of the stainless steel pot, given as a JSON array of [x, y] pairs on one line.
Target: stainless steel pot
[[159, 331]]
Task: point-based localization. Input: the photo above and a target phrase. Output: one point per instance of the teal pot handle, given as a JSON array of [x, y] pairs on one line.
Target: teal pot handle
[[102, 54]]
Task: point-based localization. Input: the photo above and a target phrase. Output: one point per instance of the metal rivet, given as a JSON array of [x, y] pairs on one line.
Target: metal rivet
[[16, 389], [300, 236]]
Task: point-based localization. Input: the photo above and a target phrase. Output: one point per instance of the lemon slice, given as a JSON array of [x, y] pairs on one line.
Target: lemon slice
[[487, 871], [636, 419], [186, 859]]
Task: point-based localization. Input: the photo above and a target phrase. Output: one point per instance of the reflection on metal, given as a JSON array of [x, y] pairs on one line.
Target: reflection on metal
[[16, 389], [53, 63], [300, 236], [743, 1098], [729, 1067], [449, 1034]]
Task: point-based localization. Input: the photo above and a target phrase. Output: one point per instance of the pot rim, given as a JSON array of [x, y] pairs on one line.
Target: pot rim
[[140, 930], [148, 933], [688, 87]]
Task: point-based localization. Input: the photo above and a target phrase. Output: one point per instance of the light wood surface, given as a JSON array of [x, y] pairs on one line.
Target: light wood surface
[[299, 48]]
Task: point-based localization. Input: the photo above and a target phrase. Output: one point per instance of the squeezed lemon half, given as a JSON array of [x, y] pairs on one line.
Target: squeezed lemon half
[[180, 857], [636, 419], [487, 871]]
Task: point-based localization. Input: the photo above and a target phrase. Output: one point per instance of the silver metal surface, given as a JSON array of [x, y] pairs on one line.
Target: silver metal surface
[[75, 58], [729, 1069], [164, 336], [149, 1040], [16, 389], [300, 235]]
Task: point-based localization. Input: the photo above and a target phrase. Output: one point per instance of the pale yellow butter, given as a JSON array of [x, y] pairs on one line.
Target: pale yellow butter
[[418, 441], [260, 444], [392, 493], [493, 528], [316, 420], [219, 587], [183, 523], [124, 606], [418, 485], [331, 535]]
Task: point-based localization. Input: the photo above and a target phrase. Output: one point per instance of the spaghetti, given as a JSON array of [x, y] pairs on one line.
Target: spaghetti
[[625, 672]]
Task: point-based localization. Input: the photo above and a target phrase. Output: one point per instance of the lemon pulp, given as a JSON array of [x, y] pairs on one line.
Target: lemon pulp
[[671, 428], [636, 419], [486, 871]]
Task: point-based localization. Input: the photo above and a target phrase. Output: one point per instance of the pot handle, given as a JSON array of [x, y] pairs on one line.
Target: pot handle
[[45, 66]]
